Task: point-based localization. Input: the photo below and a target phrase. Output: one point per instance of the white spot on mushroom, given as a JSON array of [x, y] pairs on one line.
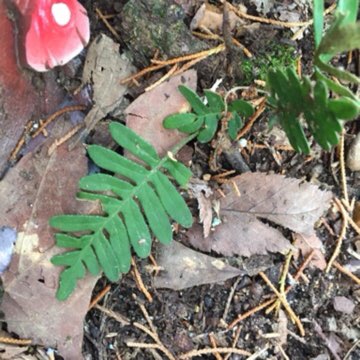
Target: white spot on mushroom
[[61, 13]]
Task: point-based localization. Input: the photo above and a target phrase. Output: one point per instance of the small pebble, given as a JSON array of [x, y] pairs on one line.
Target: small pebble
[[353, 156], [343, 304]]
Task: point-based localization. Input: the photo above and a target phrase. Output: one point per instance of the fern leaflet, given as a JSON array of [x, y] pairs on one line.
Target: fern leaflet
[[139, 203]]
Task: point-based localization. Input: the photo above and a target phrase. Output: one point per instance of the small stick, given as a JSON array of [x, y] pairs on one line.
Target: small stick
[[282, 281], [194, 353], [251, 312], [99, 296], [155, 264], [274, 22], [285, 304], [12, 341], [151, 346], [64, 138], [163, 78], [350, 219], [107, 24], [139, 282], [206, 53], [252, 119], [20, 143], [56, 115], [146, 315], [236, 338], [347, 272], [222, 175], [213, 344], [342, 168], [121, 319], [188, 65], [341, 236], [235, 187], [141, 73], [229, 299], [273, 300]]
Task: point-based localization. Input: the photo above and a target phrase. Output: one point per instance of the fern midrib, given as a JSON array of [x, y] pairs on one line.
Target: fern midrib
[[133, 194]]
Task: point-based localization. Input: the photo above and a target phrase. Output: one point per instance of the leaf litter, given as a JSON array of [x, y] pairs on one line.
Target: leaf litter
[[37, 188], [290, 203], [184, 268]]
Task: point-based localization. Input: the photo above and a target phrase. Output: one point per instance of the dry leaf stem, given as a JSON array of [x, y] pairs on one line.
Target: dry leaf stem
[[285, 303], [107, 24], [272, 301], [341, 236], [139, 281]]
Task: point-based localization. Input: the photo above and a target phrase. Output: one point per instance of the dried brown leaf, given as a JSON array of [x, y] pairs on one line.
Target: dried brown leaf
[[145, 115], [37, 188], [184, 268], [291, 203], [307, 243]]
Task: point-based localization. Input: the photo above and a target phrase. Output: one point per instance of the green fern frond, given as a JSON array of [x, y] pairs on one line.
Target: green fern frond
[[293, 97], [205, 119], [143, 201]]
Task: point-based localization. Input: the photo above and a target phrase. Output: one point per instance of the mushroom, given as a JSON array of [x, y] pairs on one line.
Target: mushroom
[[52, 32]]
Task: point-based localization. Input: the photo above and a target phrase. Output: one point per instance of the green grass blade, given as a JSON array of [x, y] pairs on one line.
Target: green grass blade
[[349, 8], [318, 16]]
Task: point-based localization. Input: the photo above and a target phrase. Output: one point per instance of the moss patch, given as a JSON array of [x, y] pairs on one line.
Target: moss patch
[[273, 56]]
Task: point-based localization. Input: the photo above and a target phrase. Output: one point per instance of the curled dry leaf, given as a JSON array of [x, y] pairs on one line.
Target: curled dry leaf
[[202, 192], [247, 219]]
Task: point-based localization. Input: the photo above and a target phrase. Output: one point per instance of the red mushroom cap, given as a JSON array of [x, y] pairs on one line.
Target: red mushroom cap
[[54, 31]]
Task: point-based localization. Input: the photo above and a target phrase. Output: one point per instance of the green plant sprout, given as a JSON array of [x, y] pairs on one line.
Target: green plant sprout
[[293, 99]]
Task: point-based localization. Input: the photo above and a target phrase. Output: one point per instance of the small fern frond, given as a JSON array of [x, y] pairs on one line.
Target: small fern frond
[[205, 119], [140, 203], [292, 97]]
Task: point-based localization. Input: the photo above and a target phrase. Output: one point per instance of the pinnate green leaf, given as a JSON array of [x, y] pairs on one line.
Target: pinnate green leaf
[[140, 204]]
